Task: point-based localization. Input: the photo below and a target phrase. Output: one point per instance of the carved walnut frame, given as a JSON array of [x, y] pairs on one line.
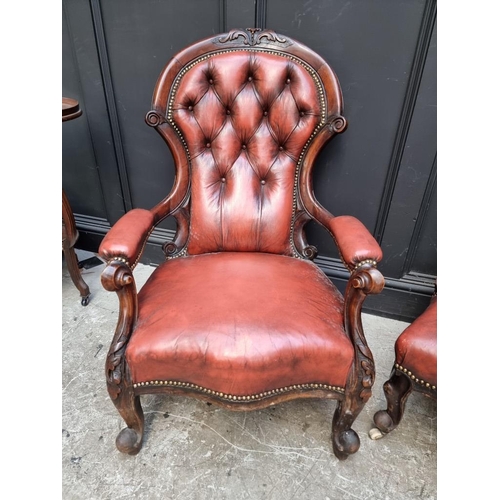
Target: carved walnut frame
[[365, 278]]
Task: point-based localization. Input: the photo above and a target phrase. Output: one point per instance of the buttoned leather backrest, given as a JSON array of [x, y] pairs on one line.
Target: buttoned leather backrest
[[245, 116]]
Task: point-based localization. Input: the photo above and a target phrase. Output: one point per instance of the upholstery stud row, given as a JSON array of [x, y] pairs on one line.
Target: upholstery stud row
[[412, 376], [188, 385]]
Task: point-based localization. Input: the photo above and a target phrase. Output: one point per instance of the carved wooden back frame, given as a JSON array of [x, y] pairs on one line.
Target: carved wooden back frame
[[306, 207]]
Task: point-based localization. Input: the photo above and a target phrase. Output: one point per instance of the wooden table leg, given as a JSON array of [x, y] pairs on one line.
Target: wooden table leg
[[70, 235]]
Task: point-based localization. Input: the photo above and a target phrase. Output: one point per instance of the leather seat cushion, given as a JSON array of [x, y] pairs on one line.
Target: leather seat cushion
[[240, 323], [416, 347]]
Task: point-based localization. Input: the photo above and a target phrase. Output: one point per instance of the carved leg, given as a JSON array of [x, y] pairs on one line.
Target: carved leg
[[74, 272], [345, 440], [363, 281], [69, 237], [129, 440], [117, 276], [396, 389]]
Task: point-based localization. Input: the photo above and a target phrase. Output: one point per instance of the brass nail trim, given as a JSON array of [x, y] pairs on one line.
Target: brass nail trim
[[241, 398], [418, 381]]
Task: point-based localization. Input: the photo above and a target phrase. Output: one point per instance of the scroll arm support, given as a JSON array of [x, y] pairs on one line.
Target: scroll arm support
[[364, 281], [118, 277]]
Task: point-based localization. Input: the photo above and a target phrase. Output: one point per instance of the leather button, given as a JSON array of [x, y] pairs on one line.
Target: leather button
[[228, 112], [281, 148], [288, 80], [211, 82], [223, 179], [262, 181], [265, 113], [302, 113], [208, 144], [190, 108], [250, 78], [243, 146]]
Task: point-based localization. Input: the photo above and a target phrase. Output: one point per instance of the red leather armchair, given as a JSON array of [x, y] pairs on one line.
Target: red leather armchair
[[238, 314], [415, 368]]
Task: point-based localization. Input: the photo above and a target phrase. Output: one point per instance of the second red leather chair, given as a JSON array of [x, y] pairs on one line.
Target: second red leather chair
[[415, 368]]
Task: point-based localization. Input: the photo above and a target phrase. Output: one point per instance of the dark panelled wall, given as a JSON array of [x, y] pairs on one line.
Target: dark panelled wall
[[382, 169]]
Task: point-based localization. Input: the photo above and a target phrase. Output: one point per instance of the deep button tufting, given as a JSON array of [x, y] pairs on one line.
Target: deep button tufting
[[302, 113], [208, 144], [248, 123], [190, 108], [263, 181], [281, 148], [250, 78]]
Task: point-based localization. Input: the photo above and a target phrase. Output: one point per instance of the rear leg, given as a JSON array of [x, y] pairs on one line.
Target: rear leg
[[396, 389]]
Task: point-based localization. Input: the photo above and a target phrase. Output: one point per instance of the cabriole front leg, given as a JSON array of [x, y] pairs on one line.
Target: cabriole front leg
[[129, 440], [364, 281], [117, 277], [345, 440]]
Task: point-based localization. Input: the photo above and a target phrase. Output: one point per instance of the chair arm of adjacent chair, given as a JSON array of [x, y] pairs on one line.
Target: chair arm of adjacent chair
[[355, 243], [126, 240]]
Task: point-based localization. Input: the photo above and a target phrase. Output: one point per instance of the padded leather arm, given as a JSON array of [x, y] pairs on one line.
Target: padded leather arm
[[354, 241], [126, 239]]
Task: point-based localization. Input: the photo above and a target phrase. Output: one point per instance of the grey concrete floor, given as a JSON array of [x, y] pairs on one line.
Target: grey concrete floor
[[197, 451]]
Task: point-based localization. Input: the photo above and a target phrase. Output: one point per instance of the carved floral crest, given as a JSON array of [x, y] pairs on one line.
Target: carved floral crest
[[253, 36]]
